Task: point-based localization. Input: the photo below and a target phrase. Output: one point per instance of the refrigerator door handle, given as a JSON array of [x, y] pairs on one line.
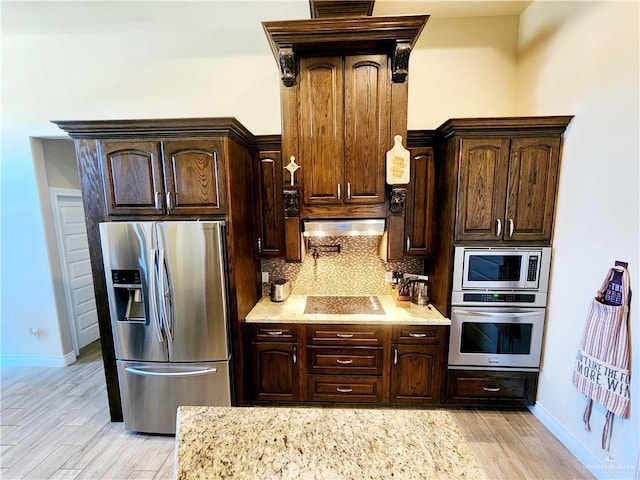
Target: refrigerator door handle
[[153, 373], [164, 286], [153, 297]]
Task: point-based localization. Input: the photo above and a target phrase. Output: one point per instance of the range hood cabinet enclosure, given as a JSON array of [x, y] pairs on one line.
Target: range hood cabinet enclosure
[[341, 228]]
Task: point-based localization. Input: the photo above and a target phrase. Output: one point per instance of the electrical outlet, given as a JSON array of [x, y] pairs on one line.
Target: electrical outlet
[[388, 277], [265, 277], [35, 333]]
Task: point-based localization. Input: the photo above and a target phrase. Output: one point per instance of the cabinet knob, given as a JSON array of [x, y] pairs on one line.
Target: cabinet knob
[[339, 195], [395, 356], [295, 355], [511, 227], [157, 200], [498, 227], [348, 190], [259, 245], [169, 201], [408, 244]]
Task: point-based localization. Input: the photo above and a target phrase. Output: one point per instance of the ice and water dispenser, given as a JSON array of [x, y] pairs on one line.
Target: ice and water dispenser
[[127, 291]]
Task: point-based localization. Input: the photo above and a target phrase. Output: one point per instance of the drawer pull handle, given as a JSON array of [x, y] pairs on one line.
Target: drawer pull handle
[[274, 332], [344, 335], [344, 362], [491, 389], [417, 335], [344, 389], [295, 355]]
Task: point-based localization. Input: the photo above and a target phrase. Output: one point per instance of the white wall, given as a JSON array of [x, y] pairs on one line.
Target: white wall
[[106, 60], [582, 58]]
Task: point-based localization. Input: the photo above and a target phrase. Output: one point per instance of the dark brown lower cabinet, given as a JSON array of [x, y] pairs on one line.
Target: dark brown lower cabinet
[[417, 374], [275, 371], [488, 387], [348, 363]]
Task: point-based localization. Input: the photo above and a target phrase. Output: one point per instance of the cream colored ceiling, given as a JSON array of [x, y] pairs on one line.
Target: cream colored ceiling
[[53, 17]]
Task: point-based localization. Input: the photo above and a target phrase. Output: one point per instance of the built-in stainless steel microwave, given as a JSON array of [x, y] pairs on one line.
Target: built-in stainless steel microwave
[[501, 268]]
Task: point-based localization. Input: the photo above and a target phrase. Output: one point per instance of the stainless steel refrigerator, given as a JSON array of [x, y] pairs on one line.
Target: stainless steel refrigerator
[[167, 289]]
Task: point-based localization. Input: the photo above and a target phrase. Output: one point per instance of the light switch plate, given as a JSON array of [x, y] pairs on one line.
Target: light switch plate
[[388, 277], [265, 277]]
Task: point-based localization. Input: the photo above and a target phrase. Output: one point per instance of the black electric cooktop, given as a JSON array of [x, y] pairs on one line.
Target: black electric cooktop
[[341, 305]]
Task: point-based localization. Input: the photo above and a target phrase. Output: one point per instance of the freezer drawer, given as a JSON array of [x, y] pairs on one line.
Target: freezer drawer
[[152, 392]]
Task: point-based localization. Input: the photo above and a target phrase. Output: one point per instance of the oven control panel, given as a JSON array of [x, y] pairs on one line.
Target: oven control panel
[[499, 297]]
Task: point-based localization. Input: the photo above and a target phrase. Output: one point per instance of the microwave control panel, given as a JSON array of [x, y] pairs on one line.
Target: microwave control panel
[[532, 274], [499, 297]]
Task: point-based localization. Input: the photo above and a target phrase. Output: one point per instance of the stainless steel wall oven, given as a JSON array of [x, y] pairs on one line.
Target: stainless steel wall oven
[[498, 299]]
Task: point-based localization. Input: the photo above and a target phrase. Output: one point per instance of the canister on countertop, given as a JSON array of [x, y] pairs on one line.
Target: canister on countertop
[[280, 290]]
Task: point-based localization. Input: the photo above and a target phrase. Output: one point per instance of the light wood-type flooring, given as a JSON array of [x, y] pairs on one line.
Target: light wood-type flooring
[[55, 424]]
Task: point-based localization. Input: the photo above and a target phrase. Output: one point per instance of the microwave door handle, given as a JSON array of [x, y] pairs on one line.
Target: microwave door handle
[[496, 314]]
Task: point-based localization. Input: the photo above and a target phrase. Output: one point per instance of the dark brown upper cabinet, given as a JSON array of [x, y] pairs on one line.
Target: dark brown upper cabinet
[[506, 172], [270, 214], [186, 179], [507, 188], [420, 205], [344, 97], [344, 128]]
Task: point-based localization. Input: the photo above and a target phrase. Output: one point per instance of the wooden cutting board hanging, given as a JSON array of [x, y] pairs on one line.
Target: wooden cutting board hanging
[[398, 163]]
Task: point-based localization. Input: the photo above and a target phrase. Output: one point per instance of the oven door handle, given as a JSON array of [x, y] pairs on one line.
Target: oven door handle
[[496, 314]]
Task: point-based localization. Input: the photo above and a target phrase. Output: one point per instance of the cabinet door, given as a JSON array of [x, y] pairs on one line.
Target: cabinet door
[[275, 371], [417, 374], [270, 212], [194, 177], [533, 178], [420, 202], [132, 177], [484, 164], [322, 129], [367, 94]]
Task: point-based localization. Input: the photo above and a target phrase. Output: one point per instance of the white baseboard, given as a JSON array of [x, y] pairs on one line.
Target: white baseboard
[[593, 464], [38, 360]]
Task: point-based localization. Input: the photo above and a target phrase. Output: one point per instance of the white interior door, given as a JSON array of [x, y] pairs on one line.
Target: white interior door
[[76, 268]]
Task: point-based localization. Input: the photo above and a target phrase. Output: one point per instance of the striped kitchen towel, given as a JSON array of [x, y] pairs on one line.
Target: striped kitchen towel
[[602, 364]]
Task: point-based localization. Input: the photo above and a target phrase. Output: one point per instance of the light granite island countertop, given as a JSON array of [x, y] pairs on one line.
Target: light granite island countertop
[[321, 443], [292, 311]]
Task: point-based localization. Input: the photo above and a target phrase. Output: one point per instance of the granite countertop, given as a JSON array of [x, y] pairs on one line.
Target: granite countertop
[[292, 311], [321, 443]]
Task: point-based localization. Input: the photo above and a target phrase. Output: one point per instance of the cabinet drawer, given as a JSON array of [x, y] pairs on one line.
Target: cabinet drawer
[[345, 388], [274, 333], [422, 334], [345, 360], [489, 387], [344, 335]]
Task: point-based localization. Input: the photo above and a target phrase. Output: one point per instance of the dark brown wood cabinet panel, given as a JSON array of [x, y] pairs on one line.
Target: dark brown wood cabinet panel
[[417, 374], [367, 128], [194, 177], [293, 247], [420, 203], [271, 210], [360, 335], [480, 387], [132, 177], [345, 388], [533, 179], [341, 360], [420, 334], [321, 129], [275, 332], [275, 371], [484, 164]]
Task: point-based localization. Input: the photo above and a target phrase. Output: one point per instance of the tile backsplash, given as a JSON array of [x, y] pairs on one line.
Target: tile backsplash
[[356, 270]]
